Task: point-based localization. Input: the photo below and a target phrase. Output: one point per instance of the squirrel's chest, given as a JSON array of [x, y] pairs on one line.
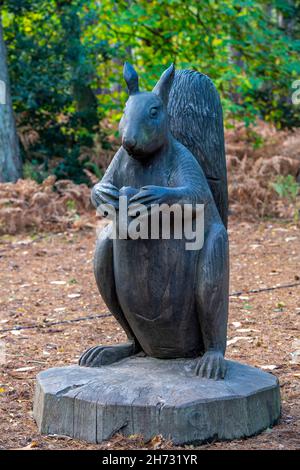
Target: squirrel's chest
[[135, 174]]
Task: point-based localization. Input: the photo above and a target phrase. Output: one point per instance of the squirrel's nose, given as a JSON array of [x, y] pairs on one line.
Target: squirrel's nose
[[129, 143]]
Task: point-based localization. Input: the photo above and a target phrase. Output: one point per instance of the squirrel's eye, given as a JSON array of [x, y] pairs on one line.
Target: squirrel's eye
[[153, 112]]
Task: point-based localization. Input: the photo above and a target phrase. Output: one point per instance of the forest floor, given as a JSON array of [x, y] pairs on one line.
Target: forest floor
[[47, 279]]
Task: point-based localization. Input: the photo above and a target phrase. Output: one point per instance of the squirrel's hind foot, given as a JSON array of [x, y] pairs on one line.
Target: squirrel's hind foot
[[211, 365], [98, 356]]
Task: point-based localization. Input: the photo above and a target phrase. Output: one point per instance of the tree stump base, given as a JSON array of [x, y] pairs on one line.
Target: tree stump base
[[147, 396]]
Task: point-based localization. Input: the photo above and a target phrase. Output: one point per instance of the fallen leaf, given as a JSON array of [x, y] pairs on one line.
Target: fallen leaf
[[156, 442], [23, 242], [246, 330], [247, 307], [16, 332], [133, 436], [74, 296], [29, 447], [236, 324], [295, 354], [269, 367], [239, 338]]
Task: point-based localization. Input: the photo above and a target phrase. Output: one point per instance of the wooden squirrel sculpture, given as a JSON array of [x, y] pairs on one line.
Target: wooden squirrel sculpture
[[171, 302]]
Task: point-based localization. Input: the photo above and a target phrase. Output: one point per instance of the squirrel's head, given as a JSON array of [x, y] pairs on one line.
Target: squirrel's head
[[144, 125]]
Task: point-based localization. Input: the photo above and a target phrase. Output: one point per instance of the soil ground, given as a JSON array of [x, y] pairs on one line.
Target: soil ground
[[49, 279]]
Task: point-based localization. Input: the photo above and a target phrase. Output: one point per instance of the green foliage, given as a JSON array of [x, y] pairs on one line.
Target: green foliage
[[71, 205], [66, 57], [286, 187], [33, 171], [52, 77], [71, 167], [251, 54]]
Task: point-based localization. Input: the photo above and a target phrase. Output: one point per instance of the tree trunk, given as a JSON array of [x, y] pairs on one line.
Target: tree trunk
[[10, 160]]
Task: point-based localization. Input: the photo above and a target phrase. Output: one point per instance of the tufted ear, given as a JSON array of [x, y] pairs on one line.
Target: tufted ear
[[163, 86], [131, 78]]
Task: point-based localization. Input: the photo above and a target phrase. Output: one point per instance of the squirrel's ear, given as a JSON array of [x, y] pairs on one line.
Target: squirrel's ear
[[163, 86], [131, 78]]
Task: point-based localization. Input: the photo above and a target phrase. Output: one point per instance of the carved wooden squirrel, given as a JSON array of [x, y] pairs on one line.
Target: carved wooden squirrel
[[171, 302]]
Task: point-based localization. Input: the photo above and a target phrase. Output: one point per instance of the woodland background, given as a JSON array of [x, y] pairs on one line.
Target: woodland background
[[62, 62]]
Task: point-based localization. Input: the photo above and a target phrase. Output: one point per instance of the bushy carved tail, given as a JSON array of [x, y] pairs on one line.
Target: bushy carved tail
[[196, 120]]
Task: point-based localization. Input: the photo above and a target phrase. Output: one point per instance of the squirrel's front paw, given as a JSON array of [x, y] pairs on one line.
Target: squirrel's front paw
[[212, 365]]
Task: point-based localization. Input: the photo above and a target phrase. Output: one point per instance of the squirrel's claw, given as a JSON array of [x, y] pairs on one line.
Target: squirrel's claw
[[211, 366]]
